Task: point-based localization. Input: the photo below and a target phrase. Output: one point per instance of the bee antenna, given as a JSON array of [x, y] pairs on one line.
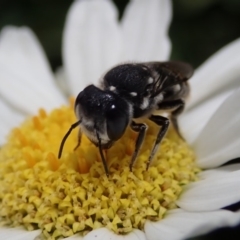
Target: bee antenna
[[66, 136]]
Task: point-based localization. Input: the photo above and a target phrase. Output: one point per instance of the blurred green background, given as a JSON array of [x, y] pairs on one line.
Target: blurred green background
[[199, 28]]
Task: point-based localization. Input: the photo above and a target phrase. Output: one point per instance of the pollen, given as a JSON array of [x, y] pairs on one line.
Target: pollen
[[73, 195]]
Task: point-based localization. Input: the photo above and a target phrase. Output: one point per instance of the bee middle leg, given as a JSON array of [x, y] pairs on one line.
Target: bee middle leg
[[141, 129], [177, 107], [164, 123]]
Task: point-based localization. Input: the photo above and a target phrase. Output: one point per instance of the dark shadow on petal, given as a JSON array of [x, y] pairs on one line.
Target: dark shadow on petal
[[232, 161], [233, 207], [225, 233], [236, 206]]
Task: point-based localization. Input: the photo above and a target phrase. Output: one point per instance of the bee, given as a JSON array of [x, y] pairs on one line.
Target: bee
[[130, 92]]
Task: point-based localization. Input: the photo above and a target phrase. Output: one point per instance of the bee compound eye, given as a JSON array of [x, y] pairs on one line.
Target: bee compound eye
[[117, 122]]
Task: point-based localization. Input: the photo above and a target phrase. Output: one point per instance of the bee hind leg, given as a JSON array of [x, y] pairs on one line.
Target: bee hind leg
[[176, 107]]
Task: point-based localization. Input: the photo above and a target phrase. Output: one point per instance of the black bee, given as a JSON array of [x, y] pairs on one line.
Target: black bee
[[128, 92]]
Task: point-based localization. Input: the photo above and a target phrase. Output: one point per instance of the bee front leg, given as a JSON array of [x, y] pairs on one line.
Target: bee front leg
[[102, 155], [177, 107], [79, 140], [164, 123], [141, 129]]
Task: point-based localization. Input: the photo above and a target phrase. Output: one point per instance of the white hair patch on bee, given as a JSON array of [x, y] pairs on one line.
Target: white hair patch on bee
[[145, 103], [177, 88], [87, 127], [150, 80], [155, 75], [134, 94], [158, 98], [112, 88], [145, 68], [77, 111]]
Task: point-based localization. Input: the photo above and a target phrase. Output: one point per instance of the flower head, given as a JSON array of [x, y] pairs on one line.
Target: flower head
[[74, 194]]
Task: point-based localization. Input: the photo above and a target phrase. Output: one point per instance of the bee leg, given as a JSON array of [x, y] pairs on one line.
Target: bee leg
[[177, 107], [102, 155], [79, 140], [164, 123], [141, 129]]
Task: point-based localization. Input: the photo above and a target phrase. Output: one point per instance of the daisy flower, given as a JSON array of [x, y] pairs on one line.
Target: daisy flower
[[181, 195]]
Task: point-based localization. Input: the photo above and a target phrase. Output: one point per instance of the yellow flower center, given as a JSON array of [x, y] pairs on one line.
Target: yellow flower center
[[73, 194]]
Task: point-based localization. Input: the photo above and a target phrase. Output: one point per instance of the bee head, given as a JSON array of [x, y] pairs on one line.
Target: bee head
[[104, 115]]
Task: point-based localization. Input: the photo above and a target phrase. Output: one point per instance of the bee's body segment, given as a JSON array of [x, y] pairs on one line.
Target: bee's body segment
[[132, 91]]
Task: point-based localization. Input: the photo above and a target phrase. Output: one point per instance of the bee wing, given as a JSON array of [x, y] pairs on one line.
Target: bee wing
[[168, 74], [180, 71]]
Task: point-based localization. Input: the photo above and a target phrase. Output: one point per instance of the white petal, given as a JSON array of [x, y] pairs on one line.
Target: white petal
[[211, 193], [9, 119], [145, 28], [25, 77], [75, 237], [18, 234], [219, 172], [105, 234], [91, 42], [61, 80], [221, 71], [159, 230], [193, 121], [219, 140], [178, 224]]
